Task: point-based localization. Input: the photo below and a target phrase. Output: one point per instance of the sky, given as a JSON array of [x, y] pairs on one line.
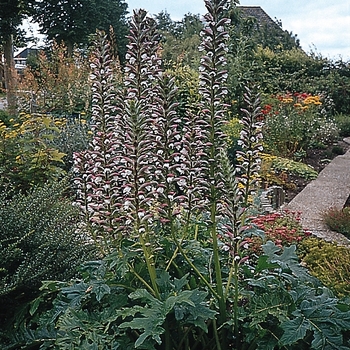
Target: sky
[[322, 26]]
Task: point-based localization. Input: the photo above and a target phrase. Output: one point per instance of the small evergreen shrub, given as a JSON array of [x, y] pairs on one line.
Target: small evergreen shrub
[[279, 164], [329, 262], [40, 239], [338, 220], [343, 123], [74, 136], [338, 150]]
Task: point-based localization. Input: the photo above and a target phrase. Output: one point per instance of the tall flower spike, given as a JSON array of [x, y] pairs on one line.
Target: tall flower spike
[[213, 90], [190, 172], [138, 123], [251, 143], [168, 146], [95, 168], [213, 78]]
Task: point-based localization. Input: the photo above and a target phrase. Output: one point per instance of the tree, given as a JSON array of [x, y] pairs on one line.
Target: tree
[[12, 13], [73, 21], [180, 40]]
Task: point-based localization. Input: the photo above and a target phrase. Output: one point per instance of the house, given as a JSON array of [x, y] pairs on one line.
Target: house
[[269, 31], [261, 17], [21, 57]]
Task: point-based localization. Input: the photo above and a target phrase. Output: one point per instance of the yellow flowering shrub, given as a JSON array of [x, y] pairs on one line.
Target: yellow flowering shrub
[[277, 170], [27, 155]]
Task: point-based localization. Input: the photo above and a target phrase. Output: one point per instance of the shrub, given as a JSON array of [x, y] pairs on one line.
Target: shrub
[[294, 123], [56, 84], [272, 165], [338, 220], [329, 262], [343, 123], [27, 154], [74, 136], [233, 129], [338, 150], [40, 239]]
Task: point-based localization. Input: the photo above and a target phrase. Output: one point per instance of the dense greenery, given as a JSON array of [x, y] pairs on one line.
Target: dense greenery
[[40, 239], [72, 22], [329, 262], [165, 246]]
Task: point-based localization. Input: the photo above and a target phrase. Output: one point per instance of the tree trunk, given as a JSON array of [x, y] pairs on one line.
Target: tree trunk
[[70, 48], [10, 75]]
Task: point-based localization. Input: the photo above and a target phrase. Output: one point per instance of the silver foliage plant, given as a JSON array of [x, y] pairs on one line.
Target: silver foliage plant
[[145, 166]]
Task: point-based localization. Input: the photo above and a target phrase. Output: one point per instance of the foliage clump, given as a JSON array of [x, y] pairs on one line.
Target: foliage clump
[[295, 123], [329, 262], [55, 83], [40, 237], [28, 156], [338, 220]]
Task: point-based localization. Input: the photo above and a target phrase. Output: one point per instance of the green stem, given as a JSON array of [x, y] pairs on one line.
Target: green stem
[[217, 296], [229, 279], [218, 276], [150, 266], [217, 339], [141, 279], [235, 303]]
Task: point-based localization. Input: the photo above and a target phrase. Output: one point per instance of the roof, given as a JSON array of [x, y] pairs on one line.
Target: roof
[[261, 16], [24, 53]]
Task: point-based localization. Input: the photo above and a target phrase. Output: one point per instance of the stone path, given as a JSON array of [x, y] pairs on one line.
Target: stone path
[[330, 189]]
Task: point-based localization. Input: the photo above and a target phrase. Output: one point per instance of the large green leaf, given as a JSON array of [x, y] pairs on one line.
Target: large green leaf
[[320, 316], [276, 303], [189, 307], [294, 330]]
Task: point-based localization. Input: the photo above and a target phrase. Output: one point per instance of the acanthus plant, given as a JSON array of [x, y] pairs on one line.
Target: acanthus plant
[[147, 169]]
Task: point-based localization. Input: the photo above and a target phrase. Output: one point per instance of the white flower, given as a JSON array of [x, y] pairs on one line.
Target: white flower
[[98, 179], [127, 190]]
